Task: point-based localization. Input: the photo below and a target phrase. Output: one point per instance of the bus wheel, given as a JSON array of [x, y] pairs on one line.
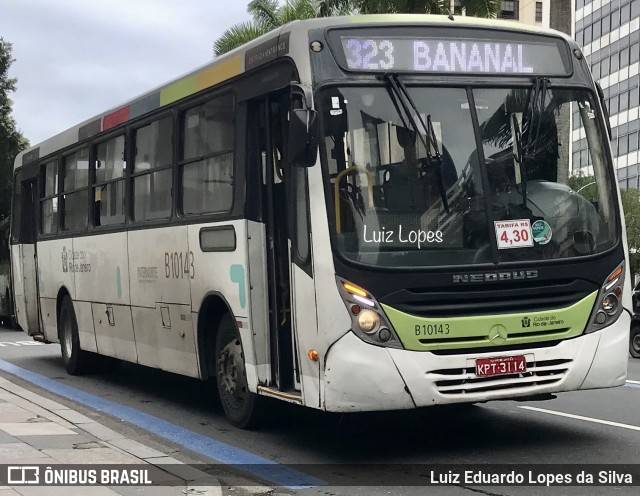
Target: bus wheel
[[634, 342], [241, 406], [75, 359]]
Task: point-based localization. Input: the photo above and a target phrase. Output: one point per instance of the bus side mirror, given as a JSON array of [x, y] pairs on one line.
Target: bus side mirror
[[303, 137]]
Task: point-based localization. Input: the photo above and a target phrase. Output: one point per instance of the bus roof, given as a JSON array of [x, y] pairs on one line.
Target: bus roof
[[237, 62]]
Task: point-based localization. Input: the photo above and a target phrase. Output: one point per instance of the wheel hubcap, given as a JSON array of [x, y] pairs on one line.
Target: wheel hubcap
[[636, 343], [229, 368]]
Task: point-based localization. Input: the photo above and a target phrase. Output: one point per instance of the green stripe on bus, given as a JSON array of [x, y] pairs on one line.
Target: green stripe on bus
[[427, 334], [180, 89]]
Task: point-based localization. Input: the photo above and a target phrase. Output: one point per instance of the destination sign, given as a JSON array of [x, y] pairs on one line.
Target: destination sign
[[452, 56]]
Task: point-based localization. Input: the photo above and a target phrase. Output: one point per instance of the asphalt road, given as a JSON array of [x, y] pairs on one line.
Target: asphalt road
[[589, 427]]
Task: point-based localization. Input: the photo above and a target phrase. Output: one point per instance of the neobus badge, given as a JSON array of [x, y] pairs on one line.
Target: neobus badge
[[496, 276]]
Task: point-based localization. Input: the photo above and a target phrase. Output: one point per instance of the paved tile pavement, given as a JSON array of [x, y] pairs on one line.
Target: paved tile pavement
[[38, 431]]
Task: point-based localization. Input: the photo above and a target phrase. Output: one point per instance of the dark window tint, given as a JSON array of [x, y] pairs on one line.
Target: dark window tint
[[207, 157], [153, 177], [110, 162], [16, 210], [49, 198], [152, 195], [153, 145], [108, 194], [75, 168]]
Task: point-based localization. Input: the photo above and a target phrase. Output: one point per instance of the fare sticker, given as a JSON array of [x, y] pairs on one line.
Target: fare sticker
[[513, 233]]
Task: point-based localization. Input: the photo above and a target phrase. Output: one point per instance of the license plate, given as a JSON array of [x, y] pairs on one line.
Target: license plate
[[486, 367]]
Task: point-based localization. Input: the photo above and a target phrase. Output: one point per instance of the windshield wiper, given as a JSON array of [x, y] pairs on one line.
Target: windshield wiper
[[428, 138], [526, 138]]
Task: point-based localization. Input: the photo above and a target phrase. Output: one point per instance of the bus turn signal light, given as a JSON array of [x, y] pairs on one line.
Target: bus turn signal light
[[313, 355], [355, 290], [615, 273]]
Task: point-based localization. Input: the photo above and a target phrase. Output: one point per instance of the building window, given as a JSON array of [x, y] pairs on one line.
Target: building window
[[510, 9], [538, 11], [152, 170], [634, 97], [75, 189], [108, 190], [207, 157], [49, 198]]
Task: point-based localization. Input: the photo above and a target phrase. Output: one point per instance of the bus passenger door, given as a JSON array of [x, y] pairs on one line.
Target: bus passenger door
[[267, 122], [26, 277]]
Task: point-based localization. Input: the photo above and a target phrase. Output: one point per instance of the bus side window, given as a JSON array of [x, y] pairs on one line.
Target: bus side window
[[49, 198], [207, 156], [75, 189], [152, 170], [108, 190]]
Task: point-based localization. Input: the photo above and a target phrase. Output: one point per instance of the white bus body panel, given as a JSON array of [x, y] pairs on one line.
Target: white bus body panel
[[258, 372], [332, 316], [361, 377], [102, 295], [56, 271], [30, 289], [226, 273], [161, 299], [305, 320]]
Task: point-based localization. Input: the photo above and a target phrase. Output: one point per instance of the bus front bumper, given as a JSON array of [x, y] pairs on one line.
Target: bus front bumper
[[363, 377]]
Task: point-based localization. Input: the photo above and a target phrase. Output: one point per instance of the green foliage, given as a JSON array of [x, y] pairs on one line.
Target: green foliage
[[631, 206], [265, 16], [477, 8], [11, 141], [585, 185], [270, 14]]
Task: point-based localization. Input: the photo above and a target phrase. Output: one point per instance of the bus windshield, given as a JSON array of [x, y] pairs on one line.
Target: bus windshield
[[410, 186]]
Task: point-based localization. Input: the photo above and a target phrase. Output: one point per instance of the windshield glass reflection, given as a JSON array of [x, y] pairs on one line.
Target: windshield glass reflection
[[409, 188]]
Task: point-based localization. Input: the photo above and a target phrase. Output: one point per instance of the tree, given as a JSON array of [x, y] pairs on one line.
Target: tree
[[11, 141], [631, 206], [270, 14], [586, 186], [477, 8], [266, 15]]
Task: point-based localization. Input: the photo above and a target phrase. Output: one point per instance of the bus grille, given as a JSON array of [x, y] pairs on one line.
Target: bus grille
[[463, 381], [488, 299]]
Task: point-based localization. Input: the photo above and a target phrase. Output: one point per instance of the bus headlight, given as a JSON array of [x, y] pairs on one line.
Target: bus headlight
[[608, 307], [610, 303], [368, 320]]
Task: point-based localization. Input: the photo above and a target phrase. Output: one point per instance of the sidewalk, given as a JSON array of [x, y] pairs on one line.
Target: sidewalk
[[37, 431]]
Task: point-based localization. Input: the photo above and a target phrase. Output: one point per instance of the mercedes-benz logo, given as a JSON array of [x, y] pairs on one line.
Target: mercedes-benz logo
[[498, 334]]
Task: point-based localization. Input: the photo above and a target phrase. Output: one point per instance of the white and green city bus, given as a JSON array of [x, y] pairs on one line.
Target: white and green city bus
[[356, 213]]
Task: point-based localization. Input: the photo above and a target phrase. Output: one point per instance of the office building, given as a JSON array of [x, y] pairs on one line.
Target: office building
[[609, 32]]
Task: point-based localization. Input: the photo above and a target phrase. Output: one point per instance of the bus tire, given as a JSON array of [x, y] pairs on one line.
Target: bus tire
[[634, 342], [75, 360], [241, 407]]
